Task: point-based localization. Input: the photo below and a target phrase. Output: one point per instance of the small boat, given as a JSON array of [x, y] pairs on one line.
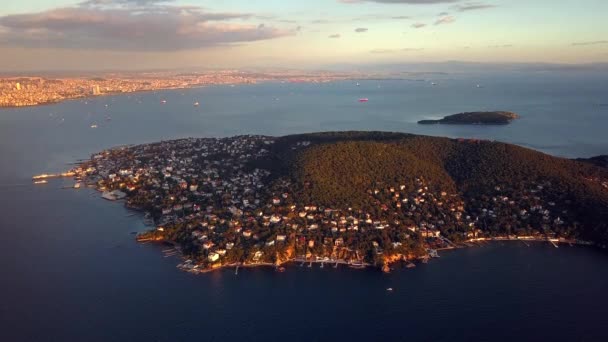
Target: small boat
[[433, 83], [410, 265], [94, 125], [196, 104], [364, 100], [358, 84], [163, 101], [41, 181], [281, 269], [77, 185], [389, 289]]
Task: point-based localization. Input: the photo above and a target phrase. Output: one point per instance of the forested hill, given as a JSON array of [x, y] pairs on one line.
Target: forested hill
[[504, 188]]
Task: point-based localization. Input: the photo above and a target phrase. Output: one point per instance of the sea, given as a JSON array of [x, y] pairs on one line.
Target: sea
[[72, 271]]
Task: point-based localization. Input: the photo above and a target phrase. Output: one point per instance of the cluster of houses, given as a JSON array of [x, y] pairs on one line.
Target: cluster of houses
[[215, 199]]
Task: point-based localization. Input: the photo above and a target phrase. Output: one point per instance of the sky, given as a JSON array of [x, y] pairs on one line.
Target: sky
[[145, 34]]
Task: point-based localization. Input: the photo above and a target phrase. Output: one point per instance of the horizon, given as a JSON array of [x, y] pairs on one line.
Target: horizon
[[138, 35]]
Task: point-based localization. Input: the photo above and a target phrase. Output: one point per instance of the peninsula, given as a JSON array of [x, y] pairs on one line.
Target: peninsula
[[354, 198], [475, 118]]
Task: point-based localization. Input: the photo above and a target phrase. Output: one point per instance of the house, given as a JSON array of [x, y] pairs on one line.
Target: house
[[257, 256], [430, 232], [213, 257]]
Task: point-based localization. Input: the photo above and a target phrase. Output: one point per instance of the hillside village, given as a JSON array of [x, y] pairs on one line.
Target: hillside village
[[211, 198]]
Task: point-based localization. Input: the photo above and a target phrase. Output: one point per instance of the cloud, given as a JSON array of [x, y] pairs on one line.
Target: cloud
[[388, 51], [413, 2], [418, 25], [597, 42], [131, 25], [471, 6], [334, 36], [361, 29], [383, 51], [445, 20]]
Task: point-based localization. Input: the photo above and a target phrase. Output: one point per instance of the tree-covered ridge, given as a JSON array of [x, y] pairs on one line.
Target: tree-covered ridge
[[339, 170]]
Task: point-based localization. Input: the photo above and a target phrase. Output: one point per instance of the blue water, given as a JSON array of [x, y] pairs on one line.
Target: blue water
[[72, 272]]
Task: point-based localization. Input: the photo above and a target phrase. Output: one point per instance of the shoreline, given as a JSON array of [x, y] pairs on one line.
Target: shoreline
[[364, 265]]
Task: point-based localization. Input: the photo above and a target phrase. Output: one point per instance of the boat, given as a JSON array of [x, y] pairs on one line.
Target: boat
[[77, 185], [94, 125], [281, 269], [364, 100], [358, 84], [433, 253], [163, 101], [389, 289], [41, 181], [410, 265], [196, 104], [433, 83]]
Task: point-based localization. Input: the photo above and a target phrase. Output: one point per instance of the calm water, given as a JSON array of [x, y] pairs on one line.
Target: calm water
[[72, 272]]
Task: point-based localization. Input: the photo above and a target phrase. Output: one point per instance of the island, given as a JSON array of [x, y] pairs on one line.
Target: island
[[475, 118], [357, 199]]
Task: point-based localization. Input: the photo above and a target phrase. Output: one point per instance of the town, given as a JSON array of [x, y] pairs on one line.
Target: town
[[213, 200], [22, 91]]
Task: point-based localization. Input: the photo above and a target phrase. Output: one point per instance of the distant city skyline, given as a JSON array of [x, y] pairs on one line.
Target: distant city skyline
[[49, 35]]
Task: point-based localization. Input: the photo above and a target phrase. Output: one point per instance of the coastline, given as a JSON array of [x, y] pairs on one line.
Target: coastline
[[111, 93], [195, 269]]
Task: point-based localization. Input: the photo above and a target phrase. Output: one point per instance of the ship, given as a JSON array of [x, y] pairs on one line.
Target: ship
[[163, 101], [364, 100], [77, 185], [196, 104], [41, 181], [94, 125]]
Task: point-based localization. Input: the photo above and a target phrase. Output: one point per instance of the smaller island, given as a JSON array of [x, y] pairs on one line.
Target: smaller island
[[475, 118]]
